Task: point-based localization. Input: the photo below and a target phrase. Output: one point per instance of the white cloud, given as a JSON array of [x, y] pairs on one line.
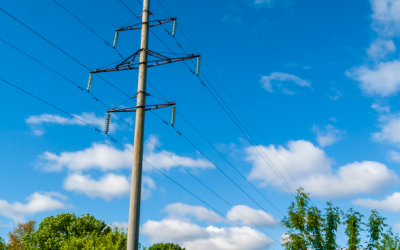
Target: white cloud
[[386, 15], [194, 237], [266, 81], [312, 169], [327, 136], [382, 80], [121, 224], [248, 216], [301, 159], [91, 118], [201, 213], [106, 157], [396, 227], [390, 132], [37, 203], [390, 204], [380, 48], [393, 156], [107, 187]]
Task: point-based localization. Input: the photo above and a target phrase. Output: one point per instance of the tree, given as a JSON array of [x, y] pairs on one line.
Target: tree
[[375, 228], [3, 244], [389, 241], [314, 229], [15, 237], [165, 246], [296, 223], [53, 232], [114, 240], [353, 228], [332, 220]]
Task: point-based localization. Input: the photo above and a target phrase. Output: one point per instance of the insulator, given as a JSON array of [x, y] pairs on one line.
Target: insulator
[[89, 85], [198, 66], [174, 28], [115, 39], [107, 128], [173, 116]]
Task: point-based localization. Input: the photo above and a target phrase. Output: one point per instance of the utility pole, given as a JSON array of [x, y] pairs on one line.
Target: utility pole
[[128, 64], [136, 184]]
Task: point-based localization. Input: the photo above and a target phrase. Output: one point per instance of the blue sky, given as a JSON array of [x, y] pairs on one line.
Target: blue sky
[[318, 79]]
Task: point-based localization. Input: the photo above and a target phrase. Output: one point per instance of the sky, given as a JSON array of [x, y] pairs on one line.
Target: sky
[[297, 94]]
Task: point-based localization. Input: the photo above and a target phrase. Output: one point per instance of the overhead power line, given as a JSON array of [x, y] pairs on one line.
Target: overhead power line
[[149, 141], [232, 116], [107, 82], [116, 141]]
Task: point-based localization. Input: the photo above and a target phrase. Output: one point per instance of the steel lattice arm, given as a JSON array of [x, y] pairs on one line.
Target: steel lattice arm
[[156, 22], [130, 63]]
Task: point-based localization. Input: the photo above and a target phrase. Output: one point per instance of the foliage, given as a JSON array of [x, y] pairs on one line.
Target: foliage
[[114, 240], [332, 220], [3, 244], [296, 223], [15, 237], [315, 223], [53, 232], [389, 241], [375, 228], [165, 246], [353, 228]]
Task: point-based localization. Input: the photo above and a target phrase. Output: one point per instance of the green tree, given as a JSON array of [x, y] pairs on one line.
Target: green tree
[[15, 237], [54, 231], [165, 246], [114, 240], [296, 223], [3, 244], [353, 228], [375, 228], [389, 241], [315, 227], [332, 220]]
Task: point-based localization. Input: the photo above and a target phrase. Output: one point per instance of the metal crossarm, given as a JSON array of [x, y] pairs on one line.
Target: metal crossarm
[[151, 24], [146, 108], [131, 62]]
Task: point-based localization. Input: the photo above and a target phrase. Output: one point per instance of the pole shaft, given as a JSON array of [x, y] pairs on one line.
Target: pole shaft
[[136, 185]]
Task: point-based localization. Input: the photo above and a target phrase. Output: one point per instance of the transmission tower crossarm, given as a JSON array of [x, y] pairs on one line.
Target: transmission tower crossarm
[[156, 22]]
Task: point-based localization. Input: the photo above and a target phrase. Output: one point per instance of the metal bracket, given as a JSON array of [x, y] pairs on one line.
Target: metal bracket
[[133, 109], [129, 63], [157, 22]]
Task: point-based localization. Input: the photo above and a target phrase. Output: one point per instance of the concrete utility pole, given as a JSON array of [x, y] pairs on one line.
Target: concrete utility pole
[[136, 186]]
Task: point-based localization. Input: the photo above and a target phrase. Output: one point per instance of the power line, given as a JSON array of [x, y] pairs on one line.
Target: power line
[[219, 81], [148, 141], [26, 26], [103, 79], [114, 140], [246, 134], [89, 69]]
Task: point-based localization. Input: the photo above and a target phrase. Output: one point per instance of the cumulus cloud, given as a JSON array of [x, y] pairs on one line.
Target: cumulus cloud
[[107, 187], [327, 136], [106, 157], [248, 216], [91, 118], [386, 16], [192, 236], [390, 203], [201, 213], [380, 48], [37, 203], [311, 168], [267, 82], [390, 132], [381, 80]]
